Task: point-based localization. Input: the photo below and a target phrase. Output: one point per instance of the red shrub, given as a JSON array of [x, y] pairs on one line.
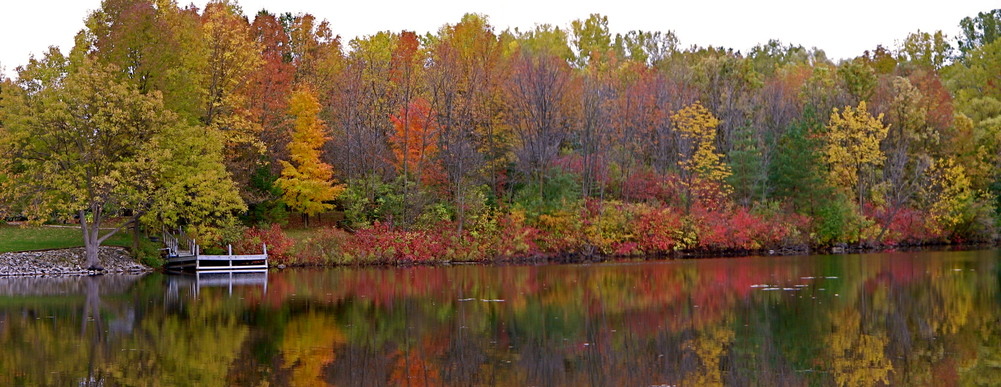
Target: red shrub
[[908, 226], [737, 229], [380, 243], [279, 244], [651, 186], [657, 231]]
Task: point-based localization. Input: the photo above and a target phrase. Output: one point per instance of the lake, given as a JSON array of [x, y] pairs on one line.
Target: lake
[[927, 318]]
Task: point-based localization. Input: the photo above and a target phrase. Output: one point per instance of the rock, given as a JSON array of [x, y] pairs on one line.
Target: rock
[[113, 260]]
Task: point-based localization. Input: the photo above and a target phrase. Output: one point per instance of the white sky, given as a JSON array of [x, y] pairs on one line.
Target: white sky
[[843, 29]]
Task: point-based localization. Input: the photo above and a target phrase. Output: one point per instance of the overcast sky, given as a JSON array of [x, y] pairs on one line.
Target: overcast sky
[[843, 29]]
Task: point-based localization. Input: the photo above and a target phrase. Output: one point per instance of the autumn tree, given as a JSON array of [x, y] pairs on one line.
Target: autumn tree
[[155, 45], [540, 115], [909, 146], [725, 81], [364, 108], [462, 85], [133, 36], [704, 170], [415, 139], [952, 197], [852, 151], [307, 182], [84, 145], [231, 58], [271, 84]]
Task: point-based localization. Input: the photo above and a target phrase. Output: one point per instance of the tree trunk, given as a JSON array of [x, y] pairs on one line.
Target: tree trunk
[[135, 239], [91, 240], [93, 260]]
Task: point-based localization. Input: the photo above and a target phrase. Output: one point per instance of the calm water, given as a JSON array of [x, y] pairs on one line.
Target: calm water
[[902, 318]]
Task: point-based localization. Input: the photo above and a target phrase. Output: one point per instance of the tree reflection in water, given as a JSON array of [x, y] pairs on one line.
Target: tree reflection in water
[[900, 319]]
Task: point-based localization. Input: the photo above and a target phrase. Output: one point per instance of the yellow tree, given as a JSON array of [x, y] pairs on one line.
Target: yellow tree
[[952, 196], [852, 148], [704, 170], [307, 184], [230, 60]]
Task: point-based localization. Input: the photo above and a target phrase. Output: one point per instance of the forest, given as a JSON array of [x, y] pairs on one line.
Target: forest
[[473, 144]]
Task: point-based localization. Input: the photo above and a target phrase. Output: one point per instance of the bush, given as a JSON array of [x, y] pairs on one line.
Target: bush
[[838, 221], [658, 230], [326, 245], [279, 244], [380, 243]]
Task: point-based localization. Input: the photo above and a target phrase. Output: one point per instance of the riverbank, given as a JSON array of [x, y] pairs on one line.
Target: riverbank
[[115, 260]]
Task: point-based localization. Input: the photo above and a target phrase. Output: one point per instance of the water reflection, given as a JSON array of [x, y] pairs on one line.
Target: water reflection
[[902, 319]]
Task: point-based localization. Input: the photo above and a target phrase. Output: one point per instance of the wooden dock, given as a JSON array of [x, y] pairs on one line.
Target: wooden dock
[[185, 255]]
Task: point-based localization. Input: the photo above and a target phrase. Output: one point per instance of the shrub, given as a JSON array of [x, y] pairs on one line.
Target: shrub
[[380, 243], [279, 244], [657, 230], [324, 245], [839, 221]]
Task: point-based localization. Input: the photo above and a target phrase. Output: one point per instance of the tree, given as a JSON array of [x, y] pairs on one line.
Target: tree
[[540, 114], [415, 139], [797, 173], [591, 40], [924, 49], [83, 145], [704, 170], [853, 149], [908, 147], [307, 183], [859, 79], [979, 31], [232, 57], [953, 199], [271, 85], [461, 83]]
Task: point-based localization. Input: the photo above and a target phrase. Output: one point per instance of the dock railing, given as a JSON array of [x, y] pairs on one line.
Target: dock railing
[[184, 254]]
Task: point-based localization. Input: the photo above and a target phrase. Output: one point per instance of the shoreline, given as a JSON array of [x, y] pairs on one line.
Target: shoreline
[[117, 260], [579, 258]]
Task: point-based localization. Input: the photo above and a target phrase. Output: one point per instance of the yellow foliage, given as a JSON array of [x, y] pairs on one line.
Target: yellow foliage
[[852, 147], [704, 165], [307, 184], [855, 357], [953, 196], [710, 346], [308, 347]]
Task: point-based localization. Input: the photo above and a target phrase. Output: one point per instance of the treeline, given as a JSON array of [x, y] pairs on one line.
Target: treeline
[[627, 143]]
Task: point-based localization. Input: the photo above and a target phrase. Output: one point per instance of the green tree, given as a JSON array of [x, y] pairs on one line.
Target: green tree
[[797, 173], [859, 78], [85, 145], [591, 40], [979, 31], [925, 49]]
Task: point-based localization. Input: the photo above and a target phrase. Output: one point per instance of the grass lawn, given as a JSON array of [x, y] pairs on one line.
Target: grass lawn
[[16, 238]]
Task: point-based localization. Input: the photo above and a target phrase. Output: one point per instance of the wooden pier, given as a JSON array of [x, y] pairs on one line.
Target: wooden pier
[[185, 255]]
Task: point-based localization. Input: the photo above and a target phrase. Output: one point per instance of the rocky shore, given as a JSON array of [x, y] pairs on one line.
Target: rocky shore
[[115, 260]]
